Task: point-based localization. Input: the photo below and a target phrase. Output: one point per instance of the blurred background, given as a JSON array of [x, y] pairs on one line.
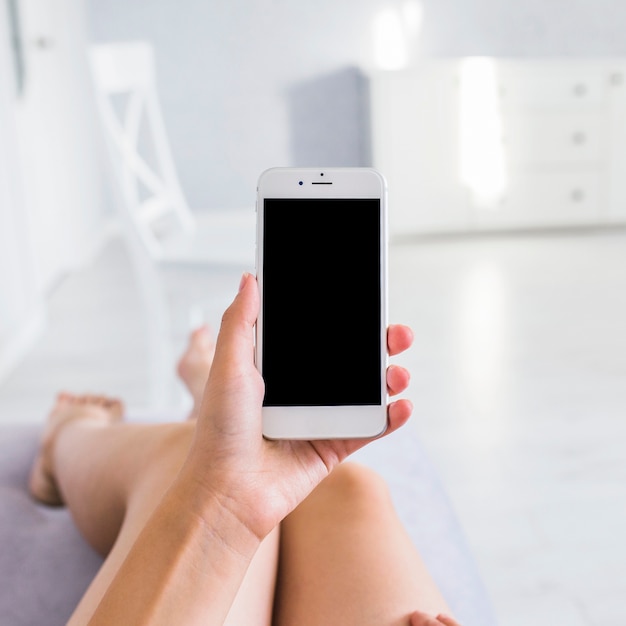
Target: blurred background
[[128, 129]]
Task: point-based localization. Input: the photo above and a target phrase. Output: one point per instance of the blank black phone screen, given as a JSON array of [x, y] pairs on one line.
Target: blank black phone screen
[[322, 293]]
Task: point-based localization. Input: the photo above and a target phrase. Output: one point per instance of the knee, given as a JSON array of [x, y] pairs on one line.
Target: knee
[[352, 484]]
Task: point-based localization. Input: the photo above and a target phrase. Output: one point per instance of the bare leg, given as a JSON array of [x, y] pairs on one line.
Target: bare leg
[[195, 364], [91, 410], [346, 558], [111, 476]]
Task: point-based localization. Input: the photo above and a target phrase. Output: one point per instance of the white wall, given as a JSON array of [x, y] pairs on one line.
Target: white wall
[[225, 68], [532, 28]]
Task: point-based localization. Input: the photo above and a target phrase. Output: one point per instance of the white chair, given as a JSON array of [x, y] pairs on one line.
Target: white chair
[[186, 261]]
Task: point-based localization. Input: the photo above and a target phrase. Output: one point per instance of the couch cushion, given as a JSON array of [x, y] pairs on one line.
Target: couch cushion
[[45, 565]]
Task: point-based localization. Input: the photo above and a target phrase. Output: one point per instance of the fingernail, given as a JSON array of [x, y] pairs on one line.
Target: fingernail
[[243, 280]]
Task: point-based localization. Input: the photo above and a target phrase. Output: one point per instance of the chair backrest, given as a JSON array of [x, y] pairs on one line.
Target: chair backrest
[[130, 113]]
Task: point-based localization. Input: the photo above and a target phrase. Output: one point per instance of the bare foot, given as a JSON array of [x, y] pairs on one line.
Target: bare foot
[[195, 364], [97, 410]]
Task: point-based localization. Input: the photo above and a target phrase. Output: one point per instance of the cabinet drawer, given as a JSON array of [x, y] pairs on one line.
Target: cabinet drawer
[[551, 137], [547, 198], [550, 86]]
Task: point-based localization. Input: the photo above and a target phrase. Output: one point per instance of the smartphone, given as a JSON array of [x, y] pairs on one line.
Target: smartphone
[[321, 333]]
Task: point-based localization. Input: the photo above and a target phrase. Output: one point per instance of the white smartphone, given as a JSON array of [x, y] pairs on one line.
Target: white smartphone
[[321, 335]]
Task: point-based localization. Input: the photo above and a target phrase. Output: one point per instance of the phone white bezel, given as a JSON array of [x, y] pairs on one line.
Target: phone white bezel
[[325, 422]]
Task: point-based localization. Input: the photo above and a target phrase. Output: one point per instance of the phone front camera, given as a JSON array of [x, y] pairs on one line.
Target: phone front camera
[[300, 183]]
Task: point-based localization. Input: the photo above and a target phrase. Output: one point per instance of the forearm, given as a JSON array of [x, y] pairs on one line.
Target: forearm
[[185, 567]]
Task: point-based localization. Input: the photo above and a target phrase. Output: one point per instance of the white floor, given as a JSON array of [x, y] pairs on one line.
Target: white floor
[[519, 386]]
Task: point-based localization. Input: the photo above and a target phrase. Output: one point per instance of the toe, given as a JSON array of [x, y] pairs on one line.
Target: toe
[[116, 407]]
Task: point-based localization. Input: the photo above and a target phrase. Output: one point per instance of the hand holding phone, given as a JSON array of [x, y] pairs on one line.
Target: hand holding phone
[[260, 479], [321, 338]]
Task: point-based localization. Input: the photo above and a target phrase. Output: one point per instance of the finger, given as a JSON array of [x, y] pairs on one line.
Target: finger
[[446, 620], [398, 413], [399, 338], [398, 379], [239, 318]]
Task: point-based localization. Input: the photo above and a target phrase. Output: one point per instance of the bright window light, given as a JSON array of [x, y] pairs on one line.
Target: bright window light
[[390, 48], [395, 31], [482, 159], [412, 15]]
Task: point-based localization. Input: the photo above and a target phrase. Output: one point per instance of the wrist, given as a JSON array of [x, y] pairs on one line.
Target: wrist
[[212, 500], [190, 547]]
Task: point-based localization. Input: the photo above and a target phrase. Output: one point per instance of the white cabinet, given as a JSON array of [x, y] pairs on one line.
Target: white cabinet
[[562, 144]]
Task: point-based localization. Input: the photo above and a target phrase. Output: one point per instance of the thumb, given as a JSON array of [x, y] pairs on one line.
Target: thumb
[[233, 370], [235, 340], [230, 414]]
